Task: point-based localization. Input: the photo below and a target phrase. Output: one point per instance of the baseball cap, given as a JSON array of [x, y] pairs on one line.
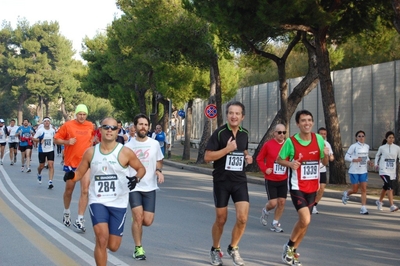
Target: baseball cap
[[81, 108], [1, 120]]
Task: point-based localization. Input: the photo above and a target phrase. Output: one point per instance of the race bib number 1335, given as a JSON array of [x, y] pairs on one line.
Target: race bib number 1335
[[234, 161]]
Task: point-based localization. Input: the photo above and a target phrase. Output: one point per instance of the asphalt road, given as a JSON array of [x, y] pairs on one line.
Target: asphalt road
[[32, 232]]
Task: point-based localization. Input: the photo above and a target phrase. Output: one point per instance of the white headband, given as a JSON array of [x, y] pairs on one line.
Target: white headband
[[47, 119]]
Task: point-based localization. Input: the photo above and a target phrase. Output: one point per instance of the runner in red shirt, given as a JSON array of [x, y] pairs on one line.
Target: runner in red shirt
[[275, 178]]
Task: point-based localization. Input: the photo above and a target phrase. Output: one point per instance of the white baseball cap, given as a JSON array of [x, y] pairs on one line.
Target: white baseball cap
[[1, 120]]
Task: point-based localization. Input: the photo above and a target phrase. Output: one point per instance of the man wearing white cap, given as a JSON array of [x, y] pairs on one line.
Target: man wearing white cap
[[44, 136], [76, 136], [3, 139]]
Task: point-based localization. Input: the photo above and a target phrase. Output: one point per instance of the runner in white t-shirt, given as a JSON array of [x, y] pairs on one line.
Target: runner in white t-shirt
[[143, 198], [44, 136], [3, 139], [13, 141]]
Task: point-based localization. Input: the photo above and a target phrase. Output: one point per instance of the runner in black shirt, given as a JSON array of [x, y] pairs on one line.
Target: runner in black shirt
[[227, 147]]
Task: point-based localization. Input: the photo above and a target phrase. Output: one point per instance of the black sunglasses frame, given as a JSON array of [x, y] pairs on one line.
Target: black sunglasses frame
[[107, 127]]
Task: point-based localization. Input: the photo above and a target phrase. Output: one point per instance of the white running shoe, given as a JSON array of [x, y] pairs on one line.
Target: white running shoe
[[234, 253], [276, 228], [264, 217], [393, 208], [216, 257], [345, 198], [379, 205], [363, 210], [66, 219], [79, 224], [288, 254], [314, 210]]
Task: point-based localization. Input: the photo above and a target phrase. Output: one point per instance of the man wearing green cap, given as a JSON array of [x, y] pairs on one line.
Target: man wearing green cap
[[76, 136]]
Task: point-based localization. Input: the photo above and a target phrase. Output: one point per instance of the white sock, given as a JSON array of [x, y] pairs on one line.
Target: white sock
[[66, 211], [275, 222]]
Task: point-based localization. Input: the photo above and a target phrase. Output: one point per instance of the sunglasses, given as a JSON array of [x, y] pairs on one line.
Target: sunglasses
[[281, 132], [107, 127], [360, 136]]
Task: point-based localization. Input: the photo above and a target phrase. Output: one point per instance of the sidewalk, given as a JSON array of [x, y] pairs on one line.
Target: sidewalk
[[374, 180]]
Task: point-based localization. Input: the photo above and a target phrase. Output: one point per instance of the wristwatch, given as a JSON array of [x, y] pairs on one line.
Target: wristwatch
[[159, 170]]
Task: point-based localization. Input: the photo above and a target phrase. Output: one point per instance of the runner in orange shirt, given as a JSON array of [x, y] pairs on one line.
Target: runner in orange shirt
[[76, 136]]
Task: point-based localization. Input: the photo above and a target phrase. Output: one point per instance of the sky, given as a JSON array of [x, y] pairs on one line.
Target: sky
[[77, 18]]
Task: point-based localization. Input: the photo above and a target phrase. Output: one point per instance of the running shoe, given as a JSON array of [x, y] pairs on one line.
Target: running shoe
[[234, 253], [1, 162], [39, 179], [22, 169], [28, 170], [345, 198], [314, 210], [66, 219], [276, 228], [216, 256], [50, 184], [264, 217], [296, 260], [393, 208], [379, 205], [363, 210], [139, 253], [79, 224], [287, 255], [12, 163]]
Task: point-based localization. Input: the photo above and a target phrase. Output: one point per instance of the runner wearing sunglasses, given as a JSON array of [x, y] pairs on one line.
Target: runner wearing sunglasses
[[275, 178]]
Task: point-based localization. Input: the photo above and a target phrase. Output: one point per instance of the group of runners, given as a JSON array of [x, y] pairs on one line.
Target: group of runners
[[113, 175], [296, 165]]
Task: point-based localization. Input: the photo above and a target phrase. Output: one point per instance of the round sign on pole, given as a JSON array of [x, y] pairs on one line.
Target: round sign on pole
[[211, 111]]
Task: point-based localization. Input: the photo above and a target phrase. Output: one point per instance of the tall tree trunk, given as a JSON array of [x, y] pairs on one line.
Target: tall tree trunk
[[218, 89], [396, 23], [289, 104], [188, 131], [21, 101], [46, 105], [214, 77], [141, 96], [396, 188], [39, 109], [337, 168], [154, 112], [63, 111], [396, 19]]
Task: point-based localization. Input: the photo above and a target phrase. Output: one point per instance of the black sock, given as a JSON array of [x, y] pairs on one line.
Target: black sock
[[315, 204], [290, 243]]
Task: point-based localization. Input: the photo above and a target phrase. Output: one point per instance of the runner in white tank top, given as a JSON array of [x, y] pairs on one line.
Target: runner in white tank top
[[108, 189]]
